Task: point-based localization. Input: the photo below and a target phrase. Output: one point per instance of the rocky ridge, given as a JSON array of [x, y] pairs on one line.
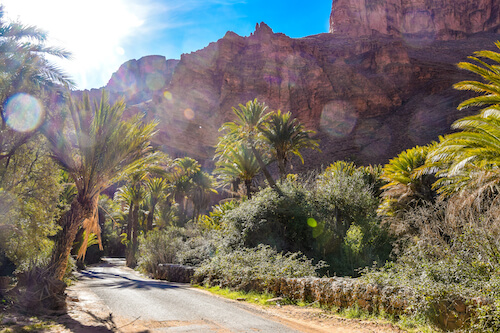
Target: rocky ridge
[[368, 96]]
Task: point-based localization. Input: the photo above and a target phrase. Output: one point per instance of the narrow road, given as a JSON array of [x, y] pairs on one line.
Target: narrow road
[[159, 306]]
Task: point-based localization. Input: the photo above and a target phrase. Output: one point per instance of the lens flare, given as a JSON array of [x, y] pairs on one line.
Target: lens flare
[[338, 118], [155, 81], [168, 95], [189, 114], [312, 222], [23, 112]]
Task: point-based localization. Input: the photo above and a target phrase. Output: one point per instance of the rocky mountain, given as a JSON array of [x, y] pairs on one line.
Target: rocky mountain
[[378, 83]]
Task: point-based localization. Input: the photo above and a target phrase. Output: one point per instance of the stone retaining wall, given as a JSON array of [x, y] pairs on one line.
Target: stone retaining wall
[[174, 273], [452, 313]]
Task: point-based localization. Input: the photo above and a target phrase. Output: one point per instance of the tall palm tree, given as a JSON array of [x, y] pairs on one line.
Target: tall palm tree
[[469, 160], [97, 148], [133, 194], [247, 129], [286, 136], [203, 186], [180, 176], [237, 163]]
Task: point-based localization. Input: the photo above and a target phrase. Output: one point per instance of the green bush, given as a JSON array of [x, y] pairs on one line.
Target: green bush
[[314, 216], [450, 257], [244, 268], [159, 247]]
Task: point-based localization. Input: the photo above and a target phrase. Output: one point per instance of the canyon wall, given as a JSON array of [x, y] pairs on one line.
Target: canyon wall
[[368, 92], [440, 19]]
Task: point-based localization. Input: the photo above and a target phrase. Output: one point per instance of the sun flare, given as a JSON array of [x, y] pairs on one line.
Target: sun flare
[[94, 31]]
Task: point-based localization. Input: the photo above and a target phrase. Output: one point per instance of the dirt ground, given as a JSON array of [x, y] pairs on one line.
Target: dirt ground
[[86, 313]]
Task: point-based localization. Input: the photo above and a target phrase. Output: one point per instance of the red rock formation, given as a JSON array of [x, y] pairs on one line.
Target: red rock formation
[[368, 97], [441, 19]]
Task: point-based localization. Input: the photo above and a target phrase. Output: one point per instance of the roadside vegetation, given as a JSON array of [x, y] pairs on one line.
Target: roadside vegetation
[[82, 182]]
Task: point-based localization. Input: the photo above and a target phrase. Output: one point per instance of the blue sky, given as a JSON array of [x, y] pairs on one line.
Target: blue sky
[[103, 34]]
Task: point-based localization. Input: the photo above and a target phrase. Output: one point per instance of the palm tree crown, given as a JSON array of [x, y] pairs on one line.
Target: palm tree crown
[[469, 160], [286, 136]]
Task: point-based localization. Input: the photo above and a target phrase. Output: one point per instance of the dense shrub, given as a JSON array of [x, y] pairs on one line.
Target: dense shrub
[[251, 268], [175, 246], [451, 256], [314, 216], [159, 247]]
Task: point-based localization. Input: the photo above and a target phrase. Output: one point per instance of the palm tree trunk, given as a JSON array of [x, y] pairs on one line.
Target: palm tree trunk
[[149, 224], [248, 184], [263, 167], [282, 168], [130, 221], [70, 222], [131, 260]]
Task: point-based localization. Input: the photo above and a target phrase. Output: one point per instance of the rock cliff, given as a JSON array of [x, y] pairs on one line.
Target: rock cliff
[[368, 92], [440, 19]]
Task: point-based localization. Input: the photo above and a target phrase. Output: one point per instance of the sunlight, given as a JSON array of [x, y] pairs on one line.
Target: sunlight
[[94, 31]]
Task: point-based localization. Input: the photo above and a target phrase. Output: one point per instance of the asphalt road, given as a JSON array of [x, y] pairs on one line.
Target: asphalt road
[[172, 307]]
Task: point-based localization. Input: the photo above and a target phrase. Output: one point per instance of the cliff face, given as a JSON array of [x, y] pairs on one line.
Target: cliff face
[[368, 93], [440, 19]]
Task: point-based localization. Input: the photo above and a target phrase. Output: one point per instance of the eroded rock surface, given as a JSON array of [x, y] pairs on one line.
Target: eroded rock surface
[[368, 96], [440, 19]]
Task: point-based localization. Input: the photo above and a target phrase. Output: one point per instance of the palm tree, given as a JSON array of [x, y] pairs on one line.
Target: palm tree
[[97, 148], [247, 129], [25, 68], [180, 176], [133, 194], [237, 163], [286, 136], [201, 190], [407, 184], [469, 160], [156, 192]]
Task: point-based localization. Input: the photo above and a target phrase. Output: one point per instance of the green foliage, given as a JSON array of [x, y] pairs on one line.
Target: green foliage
[[241, 268], [28, 201], [159, 247], [408, 186], [314, 218], [286, 136], [448, 259], [468, 160], [213, 221], [237, 163]]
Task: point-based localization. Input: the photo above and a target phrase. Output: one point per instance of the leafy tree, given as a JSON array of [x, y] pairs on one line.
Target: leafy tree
[[286, 136], [180, 181], [237, 163], [29, 193], [96, 148]]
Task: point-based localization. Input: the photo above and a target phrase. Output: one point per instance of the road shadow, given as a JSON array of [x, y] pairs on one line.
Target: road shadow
[[125, 280], [102, 325]]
